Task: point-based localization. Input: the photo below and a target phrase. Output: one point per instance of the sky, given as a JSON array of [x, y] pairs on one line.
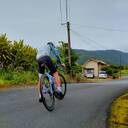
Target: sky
[[95, 24]]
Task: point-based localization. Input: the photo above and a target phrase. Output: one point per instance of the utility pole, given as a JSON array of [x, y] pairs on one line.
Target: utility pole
[[68, 31], [69, 43], [68, 34]]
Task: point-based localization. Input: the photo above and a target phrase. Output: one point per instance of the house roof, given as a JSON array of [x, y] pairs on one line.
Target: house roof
[[95, 60]]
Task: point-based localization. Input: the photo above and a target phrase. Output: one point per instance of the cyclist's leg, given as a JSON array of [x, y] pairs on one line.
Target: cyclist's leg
[[53, 72], [40, 73], [57, 79]]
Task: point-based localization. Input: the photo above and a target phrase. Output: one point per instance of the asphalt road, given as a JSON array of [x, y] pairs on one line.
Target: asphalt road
[[85, 106]]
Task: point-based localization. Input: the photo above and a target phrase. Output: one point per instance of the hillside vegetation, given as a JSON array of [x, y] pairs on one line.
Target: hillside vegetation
[[113, 57]]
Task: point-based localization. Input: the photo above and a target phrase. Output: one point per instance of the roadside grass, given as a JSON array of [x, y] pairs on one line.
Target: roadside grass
[[22, 78], [118, 117], [14, 78], [81, 79], [11, 78]]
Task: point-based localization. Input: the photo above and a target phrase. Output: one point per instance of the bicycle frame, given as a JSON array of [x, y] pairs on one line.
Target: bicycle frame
[[51, 78], [48, 92]]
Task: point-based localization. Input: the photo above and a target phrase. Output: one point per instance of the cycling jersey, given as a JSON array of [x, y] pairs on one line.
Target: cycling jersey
[[51, 51]]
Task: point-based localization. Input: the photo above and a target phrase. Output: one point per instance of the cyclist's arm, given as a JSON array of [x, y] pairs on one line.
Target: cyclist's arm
[[58, 60], [56, 54]]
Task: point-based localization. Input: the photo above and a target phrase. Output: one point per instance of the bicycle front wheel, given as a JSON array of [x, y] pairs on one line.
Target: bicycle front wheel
[[46, 93]]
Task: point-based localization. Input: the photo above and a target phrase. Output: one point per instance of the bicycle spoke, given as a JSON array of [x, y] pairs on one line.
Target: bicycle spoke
[[48, 97]]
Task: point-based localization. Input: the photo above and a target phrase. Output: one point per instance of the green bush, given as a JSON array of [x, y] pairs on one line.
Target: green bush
[[111, 70], [13, 77], [78, 77]]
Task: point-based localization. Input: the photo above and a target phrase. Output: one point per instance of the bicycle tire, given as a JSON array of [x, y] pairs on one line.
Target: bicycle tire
[[48, 103], [63, 87]]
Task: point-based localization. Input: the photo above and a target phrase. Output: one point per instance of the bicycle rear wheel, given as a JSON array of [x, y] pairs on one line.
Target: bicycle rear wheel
[[63, 87], [46, 93]]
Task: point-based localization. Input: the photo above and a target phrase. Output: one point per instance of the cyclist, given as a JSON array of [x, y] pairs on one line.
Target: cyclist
[[48, 55]]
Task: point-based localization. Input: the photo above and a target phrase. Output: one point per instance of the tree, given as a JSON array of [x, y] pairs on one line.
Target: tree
[[23, 55], [5, 48], [16, 54], [111, 70], [64, 56]]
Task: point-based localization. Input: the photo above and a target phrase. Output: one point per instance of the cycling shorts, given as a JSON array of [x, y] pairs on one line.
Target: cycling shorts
[[46, 60]]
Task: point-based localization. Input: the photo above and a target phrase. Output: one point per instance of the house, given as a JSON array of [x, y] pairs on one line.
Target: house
[[92, 67]]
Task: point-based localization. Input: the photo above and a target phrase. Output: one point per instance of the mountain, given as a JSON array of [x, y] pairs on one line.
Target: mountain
[[114, 57]]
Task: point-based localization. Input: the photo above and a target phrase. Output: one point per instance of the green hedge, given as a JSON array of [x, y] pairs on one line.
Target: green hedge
[[16, 78]]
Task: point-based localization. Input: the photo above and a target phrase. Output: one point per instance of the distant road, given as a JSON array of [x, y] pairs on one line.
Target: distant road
[[85, 106]]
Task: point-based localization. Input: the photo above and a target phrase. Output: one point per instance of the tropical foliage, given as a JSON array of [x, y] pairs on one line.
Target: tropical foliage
[[18, 64], [16, 55], [5, 48], [74, 68]]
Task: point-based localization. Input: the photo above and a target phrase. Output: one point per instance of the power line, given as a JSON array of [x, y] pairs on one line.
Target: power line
[[69, 9], [83, 39], [61, 12], [89, 39], [68, 30], [66, 10], [101, 28]]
